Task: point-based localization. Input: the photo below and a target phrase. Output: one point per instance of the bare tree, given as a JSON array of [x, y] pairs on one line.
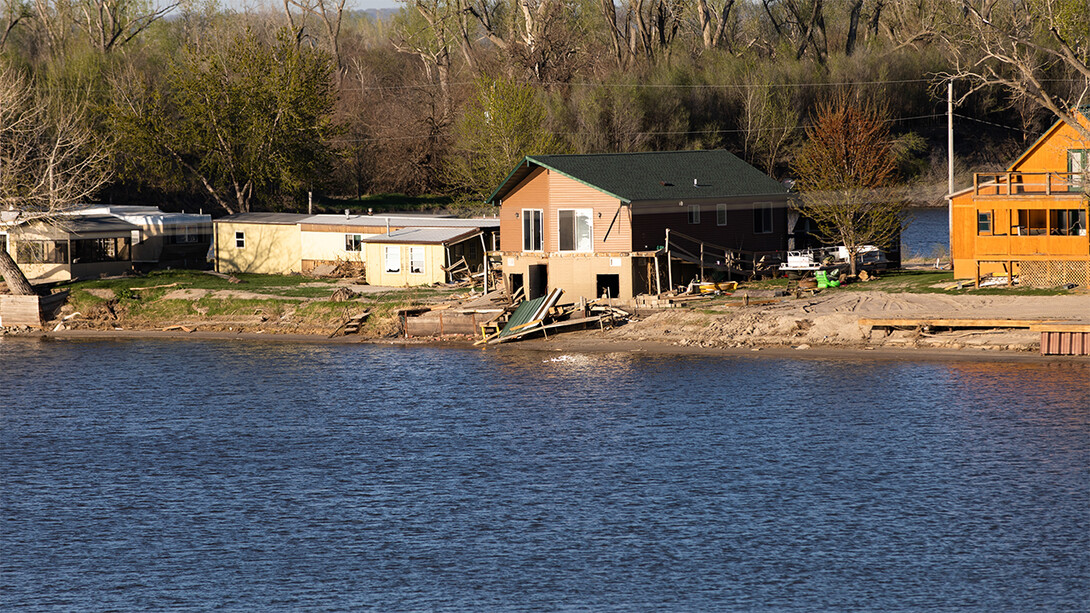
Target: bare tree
[[768, 122], [11, 13], [1038, 51], [50, 159], [109, 24], [330, 13], [844, 172], [714, 23]]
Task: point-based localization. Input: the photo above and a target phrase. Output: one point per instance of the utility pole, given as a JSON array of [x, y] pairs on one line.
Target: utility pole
[[950, 153]]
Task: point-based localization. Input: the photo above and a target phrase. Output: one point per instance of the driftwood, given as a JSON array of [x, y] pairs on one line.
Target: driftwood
[[228, 278]]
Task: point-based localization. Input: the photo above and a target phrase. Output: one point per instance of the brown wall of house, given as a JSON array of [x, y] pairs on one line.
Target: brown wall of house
[[649, 229]]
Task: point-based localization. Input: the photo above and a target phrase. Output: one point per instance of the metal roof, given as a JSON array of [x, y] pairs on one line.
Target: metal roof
[[418, 221], [86, 224], [288, 219], [655, 175], [435, 236], [431, 221]]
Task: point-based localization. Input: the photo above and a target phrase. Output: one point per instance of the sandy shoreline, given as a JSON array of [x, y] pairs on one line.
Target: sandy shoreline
[[830, 325], [594, 342]]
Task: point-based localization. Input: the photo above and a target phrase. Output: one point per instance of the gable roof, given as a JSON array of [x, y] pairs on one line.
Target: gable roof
[[1082, 110], [655, 175]]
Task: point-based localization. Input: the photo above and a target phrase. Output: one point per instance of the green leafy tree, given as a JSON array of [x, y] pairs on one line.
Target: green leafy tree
[[844, 172], [504, 122], [248, 122]]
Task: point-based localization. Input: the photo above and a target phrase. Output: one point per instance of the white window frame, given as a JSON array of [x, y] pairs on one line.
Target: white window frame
[[536, 238], [589, 215], [721, 214], [694, 214], [1078, 162], [392, 258], [355, 238], [240, 240], [415, 251]]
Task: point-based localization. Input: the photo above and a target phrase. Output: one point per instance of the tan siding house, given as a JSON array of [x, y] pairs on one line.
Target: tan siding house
[[71, 247], [594, 224], [263, 243], [281, 243]]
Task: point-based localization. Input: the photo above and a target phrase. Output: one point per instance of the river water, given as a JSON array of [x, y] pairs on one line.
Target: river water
[[247, 476], [927, 233]]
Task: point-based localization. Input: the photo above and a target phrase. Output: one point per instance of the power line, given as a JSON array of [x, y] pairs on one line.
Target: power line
[[636, 133]]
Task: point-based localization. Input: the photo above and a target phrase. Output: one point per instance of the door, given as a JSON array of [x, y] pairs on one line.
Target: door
[[539, 281]]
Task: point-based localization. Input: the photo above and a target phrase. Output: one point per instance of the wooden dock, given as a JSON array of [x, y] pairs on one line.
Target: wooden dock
[[955, 322]]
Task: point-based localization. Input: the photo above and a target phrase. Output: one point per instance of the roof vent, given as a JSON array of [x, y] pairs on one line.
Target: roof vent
[[346, 213]]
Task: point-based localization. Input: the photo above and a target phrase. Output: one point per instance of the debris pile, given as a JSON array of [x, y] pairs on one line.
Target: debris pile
[[545, 315], [342, 269]]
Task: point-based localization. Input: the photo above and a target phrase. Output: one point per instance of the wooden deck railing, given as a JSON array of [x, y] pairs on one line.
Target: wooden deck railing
[[1028, 183], [716, 257]]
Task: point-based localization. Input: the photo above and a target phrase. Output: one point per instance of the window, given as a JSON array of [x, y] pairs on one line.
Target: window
[[240, 240], [762, 218], [353, 242], [100, 250], [984, 222], [1031, 222], [694, 214], [416, 260], [576, 230], [1078, 163], [1067, 222], [720, 214], [393, 258], [531, 230], [41, 252]]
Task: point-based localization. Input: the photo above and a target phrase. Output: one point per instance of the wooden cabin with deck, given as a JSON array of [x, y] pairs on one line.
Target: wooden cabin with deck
[[1030, 221], [625, 224]]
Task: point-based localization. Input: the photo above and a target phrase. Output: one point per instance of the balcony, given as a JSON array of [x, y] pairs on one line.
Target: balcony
[[1029, 183]]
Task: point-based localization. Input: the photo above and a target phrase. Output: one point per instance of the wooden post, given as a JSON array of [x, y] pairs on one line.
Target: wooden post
[[976, 282], [669, 264], [1010, 273], [701, 261], [1010, 179], [976, 184], [658, 276], [484, 259]]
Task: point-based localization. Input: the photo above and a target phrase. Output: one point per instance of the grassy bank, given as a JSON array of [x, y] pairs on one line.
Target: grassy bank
[[267, 303]]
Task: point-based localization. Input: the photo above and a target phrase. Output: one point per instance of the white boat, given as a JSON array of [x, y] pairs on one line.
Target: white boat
[[827, 258]]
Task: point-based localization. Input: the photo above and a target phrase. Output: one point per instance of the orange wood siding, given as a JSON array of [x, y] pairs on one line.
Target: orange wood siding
[[565, 193], [532, 193], [1014, 192], [1049, 154], [551, 192]]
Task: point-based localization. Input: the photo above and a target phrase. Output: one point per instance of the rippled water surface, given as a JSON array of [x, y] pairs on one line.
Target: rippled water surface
[[927, 233], [157, 475]]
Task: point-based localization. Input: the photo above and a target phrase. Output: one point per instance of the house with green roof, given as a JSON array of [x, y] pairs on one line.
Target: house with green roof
[[599, 223]]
